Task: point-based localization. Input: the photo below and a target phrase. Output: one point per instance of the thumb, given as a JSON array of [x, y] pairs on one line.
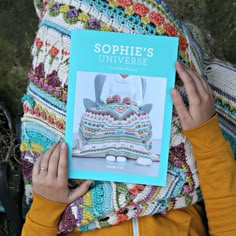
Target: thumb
[[80, 190]]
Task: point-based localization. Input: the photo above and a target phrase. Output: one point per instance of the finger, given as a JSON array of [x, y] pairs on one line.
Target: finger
[[210, 91], [36, 168], [53, 162], [46, 156], [80, 191], [208, 87], [180, 107], [62, 166], [201, 84], [189, 84], [37, 165]]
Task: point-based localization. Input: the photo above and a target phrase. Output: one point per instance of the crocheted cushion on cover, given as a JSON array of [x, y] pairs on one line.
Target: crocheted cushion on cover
[[44, 105]]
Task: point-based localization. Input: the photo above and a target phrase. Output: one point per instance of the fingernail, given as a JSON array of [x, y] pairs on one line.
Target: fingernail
[[179, 64], [174, 91], [63, 145], [89, 182]]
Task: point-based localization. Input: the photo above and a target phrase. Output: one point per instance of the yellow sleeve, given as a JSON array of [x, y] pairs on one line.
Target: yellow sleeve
[[217, 174], [43, 217]]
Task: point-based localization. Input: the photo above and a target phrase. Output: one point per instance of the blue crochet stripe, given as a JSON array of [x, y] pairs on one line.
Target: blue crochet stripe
[[48, 99], [55, 26], [180, 179], [98, 199], [118, 16], [102, 202], [108, 197], [32, 132], [159, 207], [130, 22], [90, 226], [225, 108]]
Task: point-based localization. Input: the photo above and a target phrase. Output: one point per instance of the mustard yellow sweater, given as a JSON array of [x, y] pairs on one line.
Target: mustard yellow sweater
[[217, 173]]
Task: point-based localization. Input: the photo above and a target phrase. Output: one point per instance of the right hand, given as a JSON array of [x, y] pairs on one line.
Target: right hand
[[116, 98], [201, 101], [109, 100], [50, 179], [127, 100]]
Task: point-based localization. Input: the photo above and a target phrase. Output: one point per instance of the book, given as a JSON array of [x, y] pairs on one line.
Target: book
[[119, 106]]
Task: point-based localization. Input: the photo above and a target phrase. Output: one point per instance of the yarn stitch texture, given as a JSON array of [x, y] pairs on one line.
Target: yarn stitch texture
[[44, 106]]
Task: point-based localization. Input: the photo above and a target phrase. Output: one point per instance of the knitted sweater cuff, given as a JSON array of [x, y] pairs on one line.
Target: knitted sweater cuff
[[45, 212], [206, 137]]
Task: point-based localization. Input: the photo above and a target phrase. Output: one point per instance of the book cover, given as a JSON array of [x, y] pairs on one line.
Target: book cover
[[119, 106]]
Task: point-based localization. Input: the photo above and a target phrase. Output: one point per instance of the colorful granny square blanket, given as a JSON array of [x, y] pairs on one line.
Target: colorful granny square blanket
[[44, 105]]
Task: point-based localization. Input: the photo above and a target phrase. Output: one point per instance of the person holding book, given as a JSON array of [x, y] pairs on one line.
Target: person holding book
[[212, 152], [122, 88], [198, 153]]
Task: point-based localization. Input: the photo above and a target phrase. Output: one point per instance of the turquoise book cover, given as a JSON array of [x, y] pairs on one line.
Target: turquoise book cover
[[119, 106]]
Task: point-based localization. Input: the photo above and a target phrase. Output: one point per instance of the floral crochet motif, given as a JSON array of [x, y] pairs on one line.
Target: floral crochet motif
[[51, 83]]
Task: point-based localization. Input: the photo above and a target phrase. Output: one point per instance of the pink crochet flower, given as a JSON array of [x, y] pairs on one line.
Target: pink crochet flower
[[31, 111], [38, 42], [169, 29], [25, 108], [121, 217], [50, 120], [124, 3], [156, 18], [116, 98], [64, 98], [186, 188], [53, 51], [127, 100], [37, 112], [43, 115], [140, 9], [136, 189], [183, 45], [59, 125]]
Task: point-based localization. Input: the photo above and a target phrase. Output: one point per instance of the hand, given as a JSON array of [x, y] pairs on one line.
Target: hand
[[109, 100], [50, 176], [127, 100], [201, 102], [116, 98], [134, 103]]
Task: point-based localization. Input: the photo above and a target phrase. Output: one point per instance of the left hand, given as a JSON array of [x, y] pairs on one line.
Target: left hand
[[116, 98], [134, 103], [50, 178], [127, 100], [201, 102]]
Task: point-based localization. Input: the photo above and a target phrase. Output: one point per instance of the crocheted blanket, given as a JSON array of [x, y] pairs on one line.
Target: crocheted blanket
[[117, 130], [44, 105]]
